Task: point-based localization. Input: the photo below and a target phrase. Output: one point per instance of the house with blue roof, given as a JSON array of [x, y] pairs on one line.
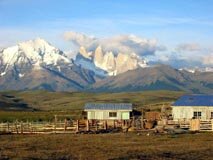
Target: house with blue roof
[[193, 107], [108, 111]]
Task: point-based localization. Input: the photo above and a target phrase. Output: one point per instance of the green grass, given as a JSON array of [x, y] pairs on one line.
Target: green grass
[[11, 116], [44, 100], [47, 104], [108, 146], [103, 146]]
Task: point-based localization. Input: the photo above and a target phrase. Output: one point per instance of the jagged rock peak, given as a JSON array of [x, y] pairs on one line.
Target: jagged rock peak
[[110, 62], [83, 52], [98, 55]]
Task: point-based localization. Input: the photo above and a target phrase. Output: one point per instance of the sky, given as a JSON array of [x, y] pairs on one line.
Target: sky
[[183, 25]]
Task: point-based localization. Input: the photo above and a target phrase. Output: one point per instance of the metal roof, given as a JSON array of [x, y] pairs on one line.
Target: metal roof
[[108, 106], [195, 100]]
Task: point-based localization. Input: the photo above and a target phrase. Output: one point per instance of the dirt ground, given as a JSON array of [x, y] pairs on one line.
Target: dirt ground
[[117, 146]]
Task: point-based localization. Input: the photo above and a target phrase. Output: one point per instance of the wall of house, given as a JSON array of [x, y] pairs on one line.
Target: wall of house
[[104, 115], [187, 112]]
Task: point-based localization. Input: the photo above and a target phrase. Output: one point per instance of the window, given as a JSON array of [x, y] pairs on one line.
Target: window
[[112, 114], [197, 115], [211, 115]]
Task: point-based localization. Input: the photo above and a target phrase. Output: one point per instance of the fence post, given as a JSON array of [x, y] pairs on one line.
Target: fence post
[[96, 125], [21, 127], [16, 126], [114, 124], [133, 122], [65, 124], [8, 127], [87, 125], [105, 124], [77, 125], [55, 123], [142, 122]]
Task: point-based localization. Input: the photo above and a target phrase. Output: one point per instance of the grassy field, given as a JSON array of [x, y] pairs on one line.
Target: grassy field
[[108, 146], [43, 105], [43, 100]]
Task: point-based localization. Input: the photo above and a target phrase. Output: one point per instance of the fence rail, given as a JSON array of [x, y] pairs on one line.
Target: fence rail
[[72, 126], [197, 125]]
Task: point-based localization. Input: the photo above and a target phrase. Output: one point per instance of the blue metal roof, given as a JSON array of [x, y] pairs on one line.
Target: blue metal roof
[[195, 100], [108, 106]]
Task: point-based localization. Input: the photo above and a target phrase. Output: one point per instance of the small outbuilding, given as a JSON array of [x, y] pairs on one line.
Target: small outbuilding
[[108, 111], [193, 107]]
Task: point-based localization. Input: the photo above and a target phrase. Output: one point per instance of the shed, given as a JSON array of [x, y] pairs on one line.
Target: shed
[[108, 111], [193, 107]]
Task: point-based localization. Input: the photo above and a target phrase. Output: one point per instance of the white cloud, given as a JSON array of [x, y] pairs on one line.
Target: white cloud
[[191, 47], [79, 39], [121, 43], [131, 43], [208, 60]]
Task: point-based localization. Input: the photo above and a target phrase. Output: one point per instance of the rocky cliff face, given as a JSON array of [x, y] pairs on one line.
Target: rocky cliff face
[[111, 63]]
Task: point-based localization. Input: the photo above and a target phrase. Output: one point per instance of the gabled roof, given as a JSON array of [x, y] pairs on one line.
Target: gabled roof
[[108, 106], [195, 100]]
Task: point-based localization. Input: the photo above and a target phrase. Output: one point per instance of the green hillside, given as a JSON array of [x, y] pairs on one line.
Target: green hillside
[[43, 105]]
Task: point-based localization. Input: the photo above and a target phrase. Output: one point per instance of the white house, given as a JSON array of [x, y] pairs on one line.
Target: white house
[[108, 111], [193, 107]]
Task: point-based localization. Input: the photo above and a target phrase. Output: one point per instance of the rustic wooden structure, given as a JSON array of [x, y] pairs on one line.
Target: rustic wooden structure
[[152, 116], [68, 126], [192, 124]]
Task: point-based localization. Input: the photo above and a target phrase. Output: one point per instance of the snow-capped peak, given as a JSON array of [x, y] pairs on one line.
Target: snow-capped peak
[[35, 52]]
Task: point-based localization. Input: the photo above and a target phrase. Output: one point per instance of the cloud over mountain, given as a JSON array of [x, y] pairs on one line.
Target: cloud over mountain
[[188, 54], [129, 44], [208, 60], [79, 39], [117, 44], [191, 47]]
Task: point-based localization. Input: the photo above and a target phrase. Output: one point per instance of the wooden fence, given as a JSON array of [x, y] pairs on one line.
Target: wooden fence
[[68, 126], [196, 125], [201, 125], [97, 126]]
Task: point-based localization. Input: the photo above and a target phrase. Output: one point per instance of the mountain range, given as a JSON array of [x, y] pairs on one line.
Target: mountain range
[[159, 77], [36, 64]]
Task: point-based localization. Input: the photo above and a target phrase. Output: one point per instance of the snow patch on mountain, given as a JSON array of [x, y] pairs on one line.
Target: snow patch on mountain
[[3, 73], [21, 75], [198, 69]]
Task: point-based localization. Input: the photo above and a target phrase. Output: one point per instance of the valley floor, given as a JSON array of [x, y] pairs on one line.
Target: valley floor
[[108, 146]]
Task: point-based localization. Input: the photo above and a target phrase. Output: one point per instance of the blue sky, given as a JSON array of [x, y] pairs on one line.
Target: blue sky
[[171, 22]]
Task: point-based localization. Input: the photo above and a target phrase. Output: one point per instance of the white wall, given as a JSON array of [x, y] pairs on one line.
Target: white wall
[[104, 115], [187, 112]]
